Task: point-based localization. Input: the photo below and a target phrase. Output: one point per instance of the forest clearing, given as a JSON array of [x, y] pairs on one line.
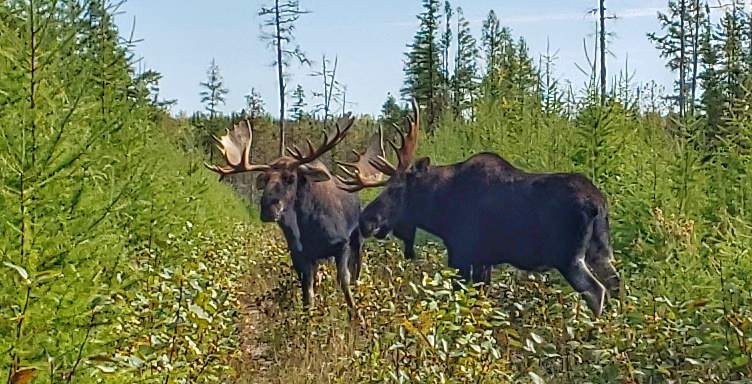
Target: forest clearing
[[125, 260]]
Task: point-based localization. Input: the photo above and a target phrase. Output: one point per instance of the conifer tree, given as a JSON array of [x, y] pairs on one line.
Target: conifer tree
[[254, 105], [391, 112], [422, 68], [466, 69], [297, 111], [214, 90], [680, 46], [712, 100], [446, 43]]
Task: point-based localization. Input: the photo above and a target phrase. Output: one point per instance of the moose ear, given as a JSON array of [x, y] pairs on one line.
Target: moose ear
[[422, 164], [314, 173]]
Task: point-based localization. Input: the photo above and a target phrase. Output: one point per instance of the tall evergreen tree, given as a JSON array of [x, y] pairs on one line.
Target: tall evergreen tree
[[422, 68], [391, 112], [213, 94], [466, 68], [679, 46], [731, 37], [281, 18], [254, 105], [712, 100], [446, 43], [297, 111], [498, 51]]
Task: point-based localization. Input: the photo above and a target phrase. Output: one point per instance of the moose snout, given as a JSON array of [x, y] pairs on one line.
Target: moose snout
[[271, 210]]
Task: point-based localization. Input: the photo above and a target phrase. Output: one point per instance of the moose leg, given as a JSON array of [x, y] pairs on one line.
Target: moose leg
[[599, 258], [582, 281], [343, 275], [307, 279], [407, 235], [482, 273], [354, 260]]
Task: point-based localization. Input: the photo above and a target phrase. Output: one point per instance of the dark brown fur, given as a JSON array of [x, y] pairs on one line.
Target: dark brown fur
[[488, 212]]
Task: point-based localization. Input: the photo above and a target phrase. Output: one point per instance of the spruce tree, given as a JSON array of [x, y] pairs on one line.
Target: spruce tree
[[297, 111], [680, 46], [214, 90], [712, 100], [466, 69], [391, 112], [422, 68], [446, 43], [254, 105]]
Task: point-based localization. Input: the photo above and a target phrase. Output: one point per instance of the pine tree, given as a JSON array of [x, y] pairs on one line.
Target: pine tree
[[422, 68], [281, 20], [254, 105], [214, 90], [679, 46], [391, 112], [446, 43], [297, 111], [466, 68], [731, 38], [712, 100], [498, 49]]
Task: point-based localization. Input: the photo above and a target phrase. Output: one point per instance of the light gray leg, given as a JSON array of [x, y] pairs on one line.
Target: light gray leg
[[582, 281]]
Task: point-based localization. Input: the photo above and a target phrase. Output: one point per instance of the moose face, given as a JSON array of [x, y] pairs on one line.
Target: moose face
[[280, 185], [280, 180], [392, 207]]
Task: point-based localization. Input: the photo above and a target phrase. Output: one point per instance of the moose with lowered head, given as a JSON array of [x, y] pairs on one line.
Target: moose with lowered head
[[487, 212], [319, 220]]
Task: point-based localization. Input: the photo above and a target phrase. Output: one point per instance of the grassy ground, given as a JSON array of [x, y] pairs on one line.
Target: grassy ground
[[521, 329]]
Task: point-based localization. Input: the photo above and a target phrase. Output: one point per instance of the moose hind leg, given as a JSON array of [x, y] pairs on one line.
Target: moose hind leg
[[579, 276], [355, 261], [343, 275], [599, 256]]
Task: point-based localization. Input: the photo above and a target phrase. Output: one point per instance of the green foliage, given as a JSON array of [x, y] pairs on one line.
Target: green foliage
[[106, 223]]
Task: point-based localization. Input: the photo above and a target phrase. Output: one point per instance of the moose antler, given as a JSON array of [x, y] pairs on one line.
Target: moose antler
[[237, 156], [341, 127], [408, 144], [363, 173]]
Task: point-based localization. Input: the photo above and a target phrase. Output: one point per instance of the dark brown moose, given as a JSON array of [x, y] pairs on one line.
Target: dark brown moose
[[319, 220], [488, 212]]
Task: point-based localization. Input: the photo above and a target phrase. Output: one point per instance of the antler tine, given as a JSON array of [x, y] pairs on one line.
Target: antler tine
[[329, 142], [237, 158], [409, 139]]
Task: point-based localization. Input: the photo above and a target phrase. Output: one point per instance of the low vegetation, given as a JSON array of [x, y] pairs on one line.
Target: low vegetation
[[123, 260]]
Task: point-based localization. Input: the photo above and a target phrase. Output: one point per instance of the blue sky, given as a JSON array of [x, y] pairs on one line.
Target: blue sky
[[180, 37]]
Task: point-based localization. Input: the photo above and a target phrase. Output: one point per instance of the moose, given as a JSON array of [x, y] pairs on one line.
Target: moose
[[487, 212], [318, 218]]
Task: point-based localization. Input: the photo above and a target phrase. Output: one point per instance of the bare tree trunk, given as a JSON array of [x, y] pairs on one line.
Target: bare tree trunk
[[695, 55], [326, 88], [602, 10], [281, 80]]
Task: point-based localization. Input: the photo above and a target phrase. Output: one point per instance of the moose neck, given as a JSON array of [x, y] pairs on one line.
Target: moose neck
[[424, 207]]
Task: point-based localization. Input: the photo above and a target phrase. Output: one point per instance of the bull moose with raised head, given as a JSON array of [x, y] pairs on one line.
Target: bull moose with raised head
[[318, 219], [487, 212]]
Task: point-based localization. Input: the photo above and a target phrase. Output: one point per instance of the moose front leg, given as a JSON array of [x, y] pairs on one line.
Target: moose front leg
[[407, 235], [307, 274], [341, 258]]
